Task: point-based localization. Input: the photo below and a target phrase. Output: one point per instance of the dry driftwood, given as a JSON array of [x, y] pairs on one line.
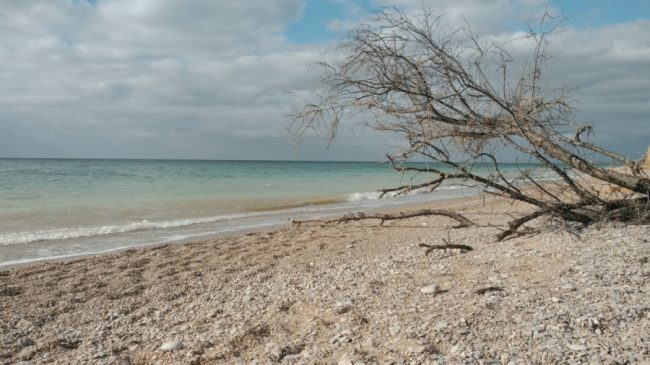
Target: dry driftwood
[[447, 246], [488, 289], [462, 220]]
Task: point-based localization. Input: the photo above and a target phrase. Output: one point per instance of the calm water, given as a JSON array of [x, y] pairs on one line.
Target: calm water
[[66, 207]]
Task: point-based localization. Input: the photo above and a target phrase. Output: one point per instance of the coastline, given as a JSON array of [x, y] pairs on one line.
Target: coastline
[[228, 225], [342, 294], [121, 250]]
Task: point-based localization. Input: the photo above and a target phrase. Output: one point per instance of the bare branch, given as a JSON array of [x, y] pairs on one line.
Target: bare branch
[[447, 246], [462, 220]]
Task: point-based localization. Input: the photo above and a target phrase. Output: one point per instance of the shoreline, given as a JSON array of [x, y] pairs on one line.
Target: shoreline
[[121, 250], [391, 206], [342, 294]]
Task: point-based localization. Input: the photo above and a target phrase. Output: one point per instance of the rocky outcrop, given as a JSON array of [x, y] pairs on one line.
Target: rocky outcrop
[[646, 163]]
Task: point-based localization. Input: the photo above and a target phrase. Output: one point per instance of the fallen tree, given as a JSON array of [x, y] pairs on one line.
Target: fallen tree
[[458, 101]]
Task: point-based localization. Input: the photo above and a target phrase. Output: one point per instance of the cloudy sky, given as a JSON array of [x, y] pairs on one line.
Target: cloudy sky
[[210, 79]]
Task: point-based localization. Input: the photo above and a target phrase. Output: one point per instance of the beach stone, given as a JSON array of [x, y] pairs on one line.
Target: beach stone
[[345, 360], [343, 306], [275, 352], [394, 329], [369, 343], [430, 289], [172, 345], [628, 345], [418, 349], [440, 326], [577, 347], [539, 328]]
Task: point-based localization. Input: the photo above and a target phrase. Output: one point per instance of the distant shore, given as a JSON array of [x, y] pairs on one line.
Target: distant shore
[[349, 293]]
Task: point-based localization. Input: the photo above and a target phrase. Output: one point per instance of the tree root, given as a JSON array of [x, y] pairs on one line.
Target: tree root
[[462, 220]]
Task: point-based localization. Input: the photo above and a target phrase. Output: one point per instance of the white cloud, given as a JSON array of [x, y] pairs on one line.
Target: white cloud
[[606, 68], [484, 16], [209, 79], [610, 67], [129, 72]]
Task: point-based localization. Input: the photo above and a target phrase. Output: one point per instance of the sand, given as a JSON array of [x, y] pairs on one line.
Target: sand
[[343, 294]]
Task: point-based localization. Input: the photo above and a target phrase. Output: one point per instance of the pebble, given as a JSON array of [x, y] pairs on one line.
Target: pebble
[[577, 347], [430, 289], [441, 326], [345, 360], [416, 349], [172, 345], [343, 306], [275, 352], [394, 329]]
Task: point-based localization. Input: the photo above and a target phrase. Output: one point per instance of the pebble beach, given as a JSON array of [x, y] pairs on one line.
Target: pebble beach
[[354, 293]]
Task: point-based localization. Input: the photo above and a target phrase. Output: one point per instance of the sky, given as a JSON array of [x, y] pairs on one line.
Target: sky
[[214, 79]]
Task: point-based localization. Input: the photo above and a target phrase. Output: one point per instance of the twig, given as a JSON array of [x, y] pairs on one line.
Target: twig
[[512, 227], [430, 248], [488, 289]]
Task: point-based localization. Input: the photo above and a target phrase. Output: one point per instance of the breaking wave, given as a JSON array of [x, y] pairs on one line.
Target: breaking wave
[[70, 233], [374, 195]]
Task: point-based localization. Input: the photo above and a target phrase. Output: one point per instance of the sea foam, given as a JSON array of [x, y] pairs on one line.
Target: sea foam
[[70, 233], [375, 195]]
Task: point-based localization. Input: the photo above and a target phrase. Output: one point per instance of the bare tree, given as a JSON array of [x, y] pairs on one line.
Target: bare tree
[[459, 100]]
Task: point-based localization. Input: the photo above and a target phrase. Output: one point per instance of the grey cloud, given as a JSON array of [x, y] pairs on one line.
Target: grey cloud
[[124, 74], [209, 79], [609, 67], [606, 69]]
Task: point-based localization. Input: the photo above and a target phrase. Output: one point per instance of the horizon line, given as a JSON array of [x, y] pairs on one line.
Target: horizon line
[[176, 159], [240, 160]]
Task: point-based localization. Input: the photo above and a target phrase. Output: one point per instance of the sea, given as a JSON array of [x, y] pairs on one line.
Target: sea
[[59, 208]]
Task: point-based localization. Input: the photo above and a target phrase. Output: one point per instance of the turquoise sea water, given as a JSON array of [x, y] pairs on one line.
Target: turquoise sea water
[[66, 207]]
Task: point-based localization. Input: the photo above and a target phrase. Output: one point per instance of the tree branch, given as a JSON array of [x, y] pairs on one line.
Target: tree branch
[[462, 220]]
